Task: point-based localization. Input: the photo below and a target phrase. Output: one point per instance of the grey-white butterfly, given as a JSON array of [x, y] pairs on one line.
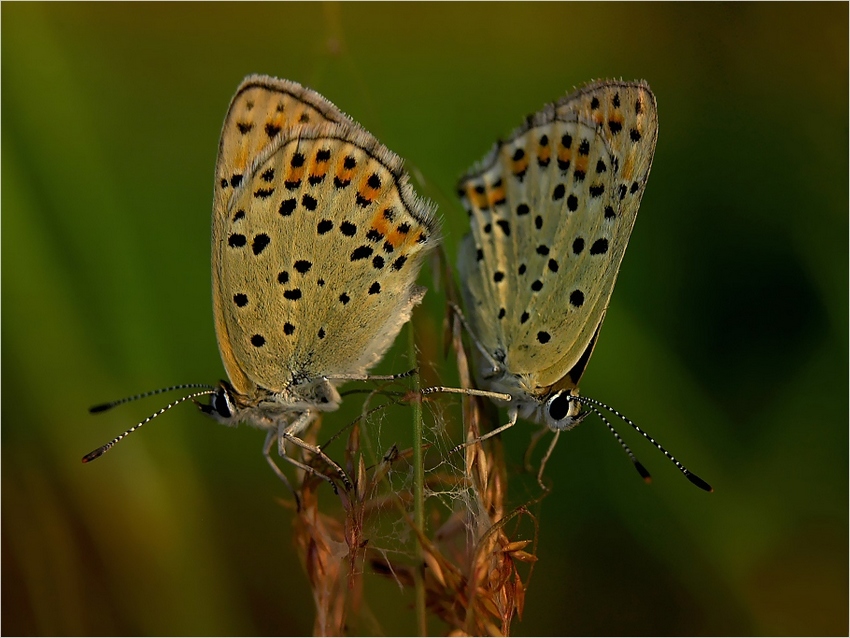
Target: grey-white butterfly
[[551, 210]]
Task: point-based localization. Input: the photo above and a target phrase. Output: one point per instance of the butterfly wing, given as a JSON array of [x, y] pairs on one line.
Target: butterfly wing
[[551, 210], [260, 110], [318, 257]]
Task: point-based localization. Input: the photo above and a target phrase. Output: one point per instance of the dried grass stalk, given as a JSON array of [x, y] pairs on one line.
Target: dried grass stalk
[[474, 562]]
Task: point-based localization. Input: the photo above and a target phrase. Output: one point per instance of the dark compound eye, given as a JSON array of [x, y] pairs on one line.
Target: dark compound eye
[[559, 407], [221, 404]]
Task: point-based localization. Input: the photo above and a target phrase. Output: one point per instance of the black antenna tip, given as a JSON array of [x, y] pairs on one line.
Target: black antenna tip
[[91, 456], [647, 477], [103, 407], [693, 478]]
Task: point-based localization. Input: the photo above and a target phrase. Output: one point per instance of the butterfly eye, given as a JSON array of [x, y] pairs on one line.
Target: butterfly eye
[[222, 404], [562, 410]]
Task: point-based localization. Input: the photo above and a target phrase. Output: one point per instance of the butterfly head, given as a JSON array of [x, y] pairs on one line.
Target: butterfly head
[[267, 409], [223, 406]]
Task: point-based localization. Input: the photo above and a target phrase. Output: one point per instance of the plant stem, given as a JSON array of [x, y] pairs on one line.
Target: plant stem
[[418, 488]]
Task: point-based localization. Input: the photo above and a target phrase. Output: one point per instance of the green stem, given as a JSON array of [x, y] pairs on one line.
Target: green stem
[[418, 488]]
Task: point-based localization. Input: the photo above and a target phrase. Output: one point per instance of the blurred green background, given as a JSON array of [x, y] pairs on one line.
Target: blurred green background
[[726, 337]]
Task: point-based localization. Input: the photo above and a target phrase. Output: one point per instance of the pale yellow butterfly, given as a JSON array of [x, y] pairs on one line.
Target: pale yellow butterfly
[[317, 241]]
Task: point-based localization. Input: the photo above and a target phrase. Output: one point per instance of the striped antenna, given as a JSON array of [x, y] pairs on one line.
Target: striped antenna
[[638, 465], [693, 478], [103, 407], [91, 456]]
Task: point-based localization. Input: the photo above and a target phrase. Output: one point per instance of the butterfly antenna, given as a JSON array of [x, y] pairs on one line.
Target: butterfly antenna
[[638, 465], [91, 456], [693, 478], [103, 407]]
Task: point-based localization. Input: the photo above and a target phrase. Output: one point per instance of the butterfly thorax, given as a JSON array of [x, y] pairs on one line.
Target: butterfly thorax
[[267, 409]]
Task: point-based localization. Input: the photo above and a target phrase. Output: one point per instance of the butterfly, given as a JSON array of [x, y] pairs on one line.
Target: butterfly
[[551, 210], [317, 241]]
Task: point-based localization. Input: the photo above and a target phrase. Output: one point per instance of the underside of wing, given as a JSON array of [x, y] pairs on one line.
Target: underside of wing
[[318, 256], [260, 110], [551, 210]]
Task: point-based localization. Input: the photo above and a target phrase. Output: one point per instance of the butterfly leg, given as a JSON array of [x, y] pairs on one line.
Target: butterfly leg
[[532, 445], [288, 433], [472, 392], [545, 459], [497, 367], [512, 417], [271, 437], [372, 377], [281, 438]]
